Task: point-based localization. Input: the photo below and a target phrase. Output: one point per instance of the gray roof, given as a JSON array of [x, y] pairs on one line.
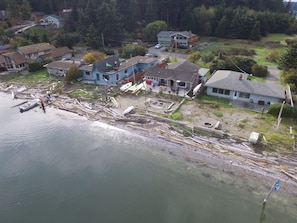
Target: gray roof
[[230, 80], [107, 64], [188, 67], [187, 34], [170, 74]]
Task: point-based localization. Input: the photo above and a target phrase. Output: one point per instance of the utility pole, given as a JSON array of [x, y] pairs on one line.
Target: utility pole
[[102, 37], [279, 116]]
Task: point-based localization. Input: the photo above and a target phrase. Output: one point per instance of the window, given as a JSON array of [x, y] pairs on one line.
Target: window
[[244, 95], [88, 73], [227, 92], [215, 90]]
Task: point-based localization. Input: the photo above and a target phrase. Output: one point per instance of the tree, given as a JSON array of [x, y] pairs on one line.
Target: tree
[[72, 74], [194, 57], [93, 56], [290, 77], [259, 70], [289, 58], [92, 38], [152, 29], [26, 10], [133, 50]]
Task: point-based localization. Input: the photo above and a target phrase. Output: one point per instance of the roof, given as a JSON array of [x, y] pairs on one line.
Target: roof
[[169, 74], [230, 80], [187, 66], [53, 16], [35, 48], [136, 60], [187, 34], [38, 13], [64, 65], [16, 57], [107, 64], [87, 67], [59, 52]]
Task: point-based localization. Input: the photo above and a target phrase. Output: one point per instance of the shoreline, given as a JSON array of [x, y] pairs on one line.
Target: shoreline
[[225, 155]]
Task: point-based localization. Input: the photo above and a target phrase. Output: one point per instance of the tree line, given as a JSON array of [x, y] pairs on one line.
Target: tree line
[[101, 22]]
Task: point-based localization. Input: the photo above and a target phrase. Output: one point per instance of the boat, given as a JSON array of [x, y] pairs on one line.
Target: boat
[[126, 86], [29, 105]]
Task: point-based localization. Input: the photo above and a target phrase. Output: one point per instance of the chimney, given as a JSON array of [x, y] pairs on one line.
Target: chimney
[[240, 77]]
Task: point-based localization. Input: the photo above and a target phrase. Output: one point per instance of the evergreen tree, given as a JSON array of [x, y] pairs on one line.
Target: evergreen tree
[[255, 32], [288, 60], [26, 10]]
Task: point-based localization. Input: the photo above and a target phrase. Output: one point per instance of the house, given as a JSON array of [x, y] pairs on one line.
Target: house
[[36, 50], [236, 86], [36, 16], [3, 15], [15, 62], [111, 71], [183, 77], [60, 68], [183, 38], [52, 21], [61, 53]]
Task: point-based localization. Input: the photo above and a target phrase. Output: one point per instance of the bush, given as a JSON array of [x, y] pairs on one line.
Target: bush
[[288, 111], [72, 74], [34, 66], [259, 70]]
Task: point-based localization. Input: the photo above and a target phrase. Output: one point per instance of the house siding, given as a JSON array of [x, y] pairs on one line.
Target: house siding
[[116, 77], [236, 95]]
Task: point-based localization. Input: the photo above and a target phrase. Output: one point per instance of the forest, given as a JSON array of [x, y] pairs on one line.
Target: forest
[[128, 19]]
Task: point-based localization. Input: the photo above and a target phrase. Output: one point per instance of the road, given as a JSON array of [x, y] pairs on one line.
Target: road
[[163, 54]]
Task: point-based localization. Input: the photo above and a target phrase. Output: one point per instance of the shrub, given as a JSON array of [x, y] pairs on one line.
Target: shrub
[[34, 66], [259, 70], [288, 111]]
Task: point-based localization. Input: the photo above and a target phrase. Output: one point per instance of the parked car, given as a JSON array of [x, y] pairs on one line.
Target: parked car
[[158, 46], [149, 55]]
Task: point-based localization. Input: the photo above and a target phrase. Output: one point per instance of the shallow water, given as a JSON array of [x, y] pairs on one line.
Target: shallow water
[[62, 168]]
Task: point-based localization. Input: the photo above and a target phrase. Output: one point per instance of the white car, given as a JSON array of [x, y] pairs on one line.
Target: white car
[[158, 46]]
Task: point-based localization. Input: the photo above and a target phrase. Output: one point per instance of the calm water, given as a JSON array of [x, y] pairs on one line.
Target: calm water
[[58, 169]]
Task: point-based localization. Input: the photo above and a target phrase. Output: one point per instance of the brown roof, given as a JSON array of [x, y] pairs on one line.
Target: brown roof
[[60, 52], [16, 57], [35, 48], [64, 65]]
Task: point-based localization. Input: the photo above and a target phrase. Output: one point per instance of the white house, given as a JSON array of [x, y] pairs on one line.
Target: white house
[[181, 38], [52, 21], [236, 86]]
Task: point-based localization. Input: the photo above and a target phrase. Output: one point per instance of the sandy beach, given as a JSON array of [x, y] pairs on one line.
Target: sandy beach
[[214, 152]]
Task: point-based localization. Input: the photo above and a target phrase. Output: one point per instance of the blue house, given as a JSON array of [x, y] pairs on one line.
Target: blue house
[[111, 71]]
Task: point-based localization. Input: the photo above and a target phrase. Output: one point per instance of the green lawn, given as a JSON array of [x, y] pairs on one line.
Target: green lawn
[[31, 78]]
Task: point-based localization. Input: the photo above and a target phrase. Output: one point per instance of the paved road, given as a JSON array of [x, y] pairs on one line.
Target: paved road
[[273, 75], [162, 54]]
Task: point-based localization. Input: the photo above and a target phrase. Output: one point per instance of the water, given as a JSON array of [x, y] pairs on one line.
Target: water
[[58, 168]]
